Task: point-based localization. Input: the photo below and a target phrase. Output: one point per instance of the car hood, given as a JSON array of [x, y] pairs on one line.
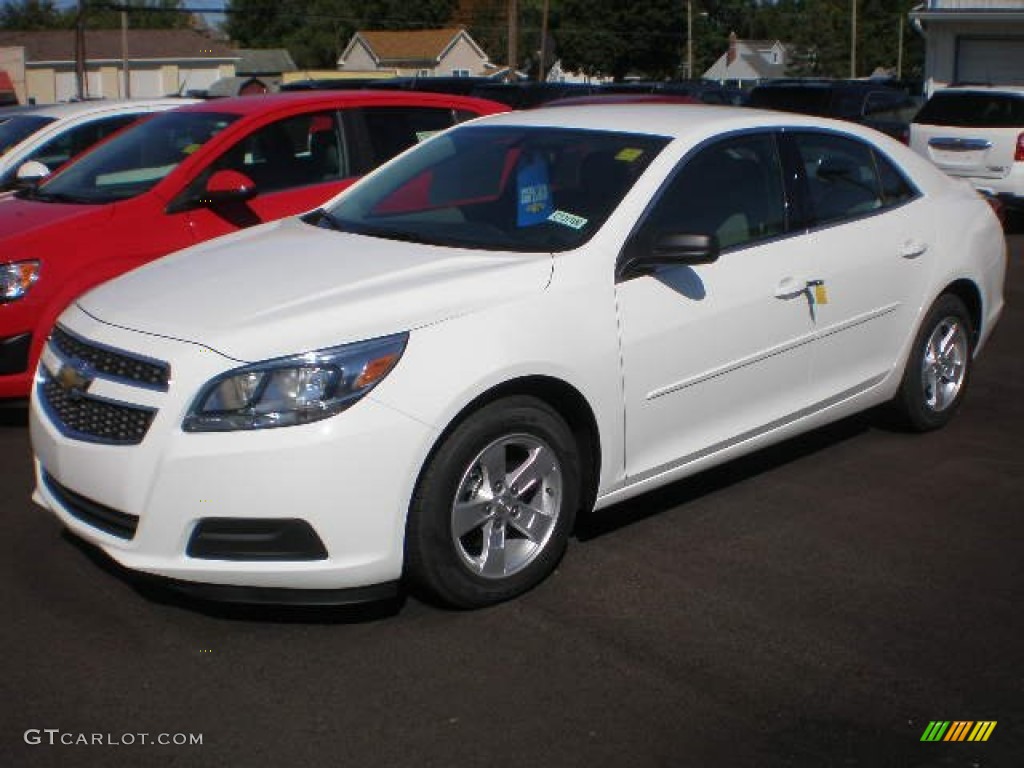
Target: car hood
[[288, 287], [21, 218]]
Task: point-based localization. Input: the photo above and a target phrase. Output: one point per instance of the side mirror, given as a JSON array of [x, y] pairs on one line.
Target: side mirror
[[31, 173], [228, 187], [670, 249], [678, 248]]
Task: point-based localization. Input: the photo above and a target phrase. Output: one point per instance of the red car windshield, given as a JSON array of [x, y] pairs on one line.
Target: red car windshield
[[134, 161]]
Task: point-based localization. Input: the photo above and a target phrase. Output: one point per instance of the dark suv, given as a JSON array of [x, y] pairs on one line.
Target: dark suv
[[885, 109]]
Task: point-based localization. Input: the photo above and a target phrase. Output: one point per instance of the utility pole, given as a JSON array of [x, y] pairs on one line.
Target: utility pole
[[853, 39], [899, 52], [124, 56], [543, 41], [513, 38], [81, 79], [689, 39]]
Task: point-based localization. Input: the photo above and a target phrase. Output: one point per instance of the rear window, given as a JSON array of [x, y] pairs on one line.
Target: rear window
[[973, 109]]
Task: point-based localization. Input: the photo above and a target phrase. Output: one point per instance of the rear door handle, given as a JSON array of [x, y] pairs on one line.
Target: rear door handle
[[911, 249]]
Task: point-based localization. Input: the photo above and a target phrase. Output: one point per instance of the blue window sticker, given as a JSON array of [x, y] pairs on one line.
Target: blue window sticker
[[534, 193]]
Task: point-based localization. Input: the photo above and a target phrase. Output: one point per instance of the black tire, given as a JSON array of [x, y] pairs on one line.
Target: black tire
[[495, 559], [933, 389]]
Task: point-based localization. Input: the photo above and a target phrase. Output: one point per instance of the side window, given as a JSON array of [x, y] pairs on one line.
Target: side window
[[392, 130], [294, 152], [841, 177], [60, 149], [895, 187], [732, 189]]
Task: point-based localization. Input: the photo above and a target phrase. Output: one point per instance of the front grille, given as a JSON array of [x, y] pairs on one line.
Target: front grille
[[94, 419], [92, 513], [114, 363]]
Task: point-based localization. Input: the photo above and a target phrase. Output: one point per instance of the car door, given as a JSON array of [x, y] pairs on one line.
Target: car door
[[869, 240], [714, 354], [294, 164]]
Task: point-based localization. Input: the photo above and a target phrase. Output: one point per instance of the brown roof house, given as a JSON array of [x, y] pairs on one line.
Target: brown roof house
[[416, 53], [160, 62]]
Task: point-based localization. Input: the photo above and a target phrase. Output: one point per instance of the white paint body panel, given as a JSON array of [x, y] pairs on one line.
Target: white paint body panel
[[677, 378]]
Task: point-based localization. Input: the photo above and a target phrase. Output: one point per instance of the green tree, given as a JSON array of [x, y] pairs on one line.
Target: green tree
[[31, 14], [142, 14], [607, 37], [317, 31]]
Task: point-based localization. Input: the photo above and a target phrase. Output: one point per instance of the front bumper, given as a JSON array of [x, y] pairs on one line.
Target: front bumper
[[349, 478]]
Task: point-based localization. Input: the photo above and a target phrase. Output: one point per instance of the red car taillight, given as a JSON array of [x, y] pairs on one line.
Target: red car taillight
[[1018, 156]]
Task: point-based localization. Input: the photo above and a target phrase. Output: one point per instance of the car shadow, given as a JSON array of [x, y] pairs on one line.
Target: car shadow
[[14, 415], [651, 503], [1014, 223]]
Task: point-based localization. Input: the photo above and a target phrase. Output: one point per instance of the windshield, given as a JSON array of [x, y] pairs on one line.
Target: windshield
[[15, 128], [135, 160], [528, 189]]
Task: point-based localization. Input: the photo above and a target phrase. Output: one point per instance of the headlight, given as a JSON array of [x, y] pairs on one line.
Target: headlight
[[17, 278], [294, 390]]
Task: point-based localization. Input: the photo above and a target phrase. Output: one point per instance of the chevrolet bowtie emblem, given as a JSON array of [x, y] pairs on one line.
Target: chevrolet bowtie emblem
[[74, 377]]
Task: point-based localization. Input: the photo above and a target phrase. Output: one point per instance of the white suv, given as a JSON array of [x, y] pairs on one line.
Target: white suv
[[976, 133]]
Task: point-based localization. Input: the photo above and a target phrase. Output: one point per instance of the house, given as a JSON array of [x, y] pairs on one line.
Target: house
[[415, 53], [12, 76], [979, 41], [749, 62], [258, 70], [160, 62]]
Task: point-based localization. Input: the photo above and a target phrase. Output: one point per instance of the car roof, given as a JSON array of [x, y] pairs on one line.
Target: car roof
[[257, 104], [76, 108], [981, 88], [671, 120]]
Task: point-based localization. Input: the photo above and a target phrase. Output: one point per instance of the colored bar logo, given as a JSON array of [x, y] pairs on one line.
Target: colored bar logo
[[958, 730]]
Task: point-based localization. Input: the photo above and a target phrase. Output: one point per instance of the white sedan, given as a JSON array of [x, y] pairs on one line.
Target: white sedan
[[527, 317], [37, 140]]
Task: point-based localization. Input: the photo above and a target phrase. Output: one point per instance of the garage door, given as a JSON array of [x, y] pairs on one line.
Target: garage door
[[990, 60]]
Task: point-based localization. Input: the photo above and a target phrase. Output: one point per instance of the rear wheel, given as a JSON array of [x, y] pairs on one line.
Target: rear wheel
[[939, 366], [495, 505]]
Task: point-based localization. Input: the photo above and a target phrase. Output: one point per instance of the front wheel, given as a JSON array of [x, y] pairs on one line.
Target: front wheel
[[495, 505], [938, 368]]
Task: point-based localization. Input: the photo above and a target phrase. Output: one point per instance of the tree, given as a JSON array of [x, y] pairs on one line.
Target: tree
[[31, 14], [142, 14], [607, 37]]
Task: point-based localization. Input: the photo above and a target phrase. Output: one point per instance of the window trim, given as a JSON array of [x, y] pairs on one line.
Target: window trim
[[802, 189], [635, 234]]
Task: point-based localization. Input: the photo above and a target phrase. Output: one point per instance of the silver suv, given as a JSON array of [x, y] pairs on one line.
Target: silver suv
[[976, 132]]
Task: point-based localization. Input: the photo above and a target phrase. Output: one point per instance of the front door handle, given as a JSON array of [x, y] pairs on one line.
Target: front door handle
[[911, 249], [791, 287]]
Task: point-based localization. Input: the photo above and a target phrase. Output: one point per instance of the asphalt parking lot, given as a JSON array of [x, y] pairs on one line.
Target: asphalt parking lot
[[817, 604]]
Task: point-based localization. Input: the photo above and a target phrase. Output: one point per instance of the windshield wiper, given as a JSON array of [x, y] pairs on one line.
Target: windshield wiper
[[35, 193]]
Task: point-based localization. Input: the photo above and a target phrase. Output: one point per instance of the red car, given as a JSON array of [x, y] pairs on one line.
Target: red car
[[186, 176]]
